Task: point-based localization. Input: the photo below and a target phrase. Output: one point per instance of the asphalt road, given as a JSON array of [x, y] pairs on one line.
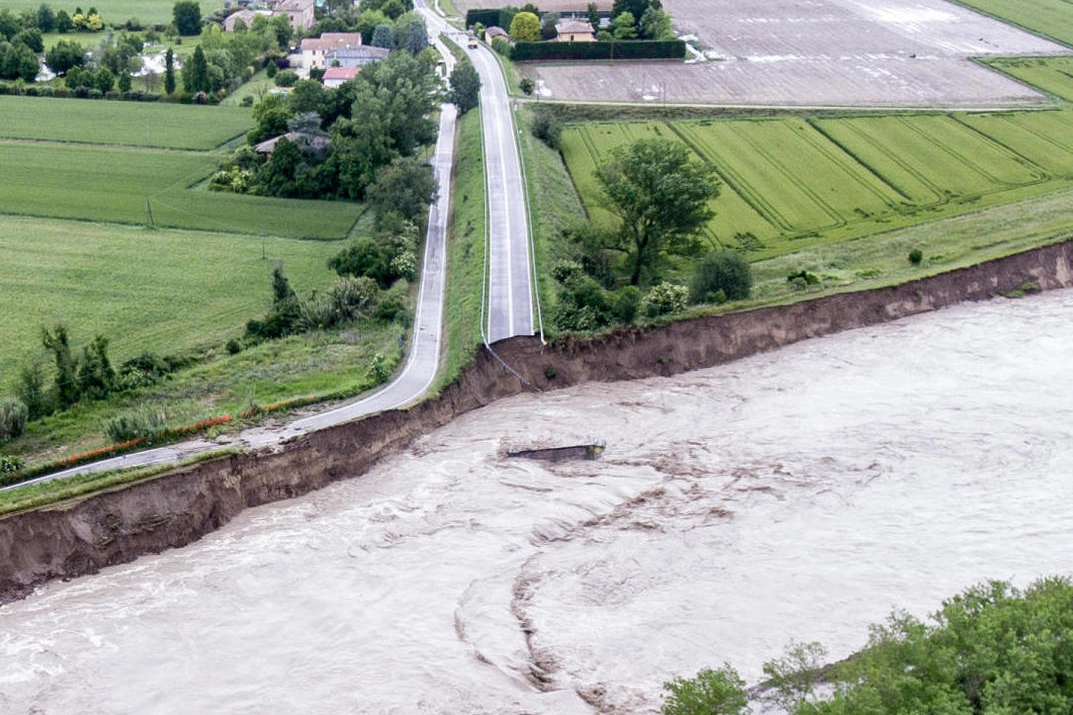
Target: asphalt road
[[509, 299], [417, 374], [510, 292]]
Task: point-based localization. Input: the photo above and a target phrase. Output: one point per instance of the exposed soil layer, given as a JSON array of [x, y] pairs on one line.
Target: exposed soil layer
[[179, 507]]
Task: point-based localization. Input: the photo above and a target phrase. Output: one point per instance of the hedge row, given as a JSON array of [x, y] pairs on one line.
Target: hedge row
[[136, 95], [488, 18], [629, 50]]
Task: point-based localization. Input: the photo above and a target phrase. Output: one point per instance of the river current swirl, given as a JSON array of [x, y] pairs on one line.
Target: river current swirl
[[797, 495]]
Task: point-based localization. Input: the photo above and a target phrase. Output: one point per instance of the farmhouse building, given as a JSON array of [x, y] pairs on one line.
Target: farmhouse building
[[299, 13], [574, 31], [337, 76], [315, 50], [246, 16], [491, 33], [355, 56], [313, 142]]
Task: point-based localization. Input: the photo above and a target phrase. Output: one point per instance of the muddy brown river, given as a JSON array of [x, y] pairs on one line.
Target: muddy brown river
[[797, 495]]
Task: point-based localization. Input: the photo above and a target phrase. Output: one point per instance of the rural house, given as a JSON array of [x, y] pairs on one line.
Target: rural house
[[336, 76], [574, 31], [298, 12], [246, 16], [355, 56], [491, 33], [315, 50]]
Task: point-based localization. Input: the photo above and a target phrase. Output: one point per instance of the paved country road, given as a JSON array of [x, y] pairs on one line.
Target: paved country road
[[510, 291], [509, 298]]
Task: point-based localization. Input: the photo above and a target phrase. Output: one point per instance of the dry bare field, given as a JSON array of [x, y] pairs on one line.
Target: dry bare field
[[820, 52], [545, 6]]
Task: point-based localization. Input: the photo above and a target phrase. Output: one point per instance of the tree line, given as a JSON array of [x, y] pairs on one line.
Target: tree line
[[991, 650]]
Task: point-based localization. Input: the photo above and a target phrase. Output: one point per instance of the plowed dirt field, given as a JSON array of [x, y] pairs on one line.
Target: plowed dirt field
[[816, 52]]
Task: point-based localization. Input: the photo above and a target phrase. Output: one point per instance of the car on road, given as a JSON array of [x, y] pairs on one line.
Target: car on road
[[472, 44]]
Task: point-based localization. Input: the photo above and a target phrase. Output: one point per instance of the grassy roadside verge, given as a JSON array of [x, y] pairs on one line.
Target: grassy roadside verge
[[554, 204], [465, 253]]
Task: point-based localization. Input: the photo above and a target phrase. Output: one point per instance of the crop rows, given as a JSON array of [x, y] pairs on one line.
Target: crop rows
[[150, 187], [172, 126], [1049, 18], [835, 178], [1051, 74]]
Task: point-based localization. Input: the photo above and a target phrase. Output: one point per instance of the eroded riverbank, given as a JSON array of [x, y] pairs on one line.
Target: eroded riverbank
[[797, 494], [179, 508]]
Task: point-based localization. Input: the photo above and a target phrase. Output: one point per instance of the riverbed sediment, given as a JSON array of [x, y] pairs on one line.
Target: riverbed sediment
[[177, 508]]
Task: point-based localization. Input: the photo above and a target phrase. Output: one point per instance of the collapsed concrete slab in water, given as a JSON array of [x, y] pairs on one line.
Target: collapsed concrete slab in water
[[80, 537]]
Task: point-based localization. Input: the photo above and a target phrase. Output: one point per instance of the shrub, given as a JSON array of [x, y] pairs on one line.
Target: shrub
[[10, 464], [583, 303], [711, 692], [627, 303], [32, 392], [381, 367], [664, 299], [802, 279], [501, 46], [13, 415], [724, 272], [392, 308], [916, 256], [286, 78], [546, 127], [526, 85], [143, 422]]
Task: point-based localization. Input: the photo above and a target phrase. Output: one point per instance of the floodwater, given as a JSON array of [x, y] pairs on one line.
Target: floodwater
[[797, 495]]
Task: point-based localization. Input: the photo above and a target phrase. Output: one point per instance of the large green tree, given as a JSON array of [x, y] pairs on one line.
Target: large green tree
[[186, 15], [465, 86], [169, 72], [64, 55], [661, 194], [525, 27], [196, 72]]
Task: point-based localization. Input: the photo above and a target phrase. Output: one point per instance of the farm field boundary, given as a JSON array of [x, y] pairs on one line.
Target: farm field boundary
[[1052, 19]]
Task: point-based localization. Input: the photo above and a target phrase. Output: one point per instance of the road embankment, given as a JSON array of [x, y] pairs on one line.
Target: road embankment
[[174, 509]]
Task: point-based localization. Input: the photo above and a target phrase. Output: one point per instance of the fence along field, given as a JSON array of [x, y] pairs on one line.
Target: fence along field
[[791, 182], [105, 161]]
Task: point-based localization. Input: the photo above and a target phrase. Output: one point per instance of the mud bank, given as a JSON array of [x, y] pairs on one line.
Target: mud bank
[[177, 508]]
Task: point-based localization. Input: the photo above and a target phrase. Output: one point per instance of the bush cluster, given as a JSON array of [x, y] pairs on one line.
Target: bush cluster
[[13, 416], [143, 422]]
